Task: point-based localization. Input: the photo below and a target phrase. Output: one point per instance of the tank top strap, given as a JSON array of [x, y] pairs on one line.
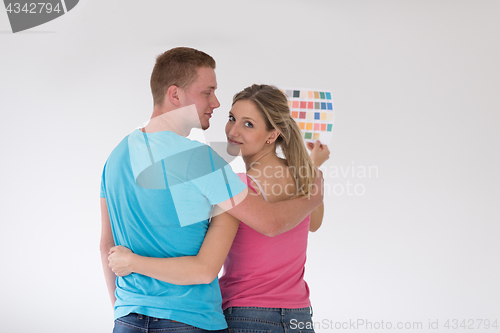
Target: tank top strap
[[260, 187]]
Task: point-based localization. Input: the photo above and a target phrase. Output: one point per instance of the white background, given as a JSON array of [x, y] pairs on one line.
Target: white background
[[416, 95]]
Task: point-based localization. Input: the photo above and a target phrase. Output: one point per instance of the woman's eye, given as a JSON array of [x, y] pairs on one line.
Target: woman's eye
[[248, 124], [231, 118]]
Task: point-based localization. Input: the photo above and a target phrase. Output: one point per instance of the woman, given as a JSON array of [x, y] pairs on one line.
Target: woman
[[262, 285]]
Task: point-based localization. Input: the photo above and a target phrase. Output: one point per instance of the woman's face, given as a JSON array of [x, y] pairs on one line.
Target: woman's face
[[246, 129]]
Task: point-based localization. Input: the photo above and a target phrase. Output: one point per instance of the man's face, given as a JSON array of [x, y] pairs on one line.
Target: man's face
[[202, 93]]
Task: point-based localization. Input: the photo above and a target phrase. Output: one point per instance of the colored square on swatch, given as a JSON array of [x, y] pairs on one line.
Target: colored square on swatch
[[313, 112]]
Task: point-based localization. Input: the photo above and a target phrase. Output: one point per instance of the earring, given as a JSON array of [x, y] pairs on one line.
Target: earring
[[268, 142]]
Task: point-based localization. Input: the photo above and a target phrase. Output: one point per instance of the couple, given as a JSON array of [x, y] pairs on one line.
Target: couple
[[159, 190]]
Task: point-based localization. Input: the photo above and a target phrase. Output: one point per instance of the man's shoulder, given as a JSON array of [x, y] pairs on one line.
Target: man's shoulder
[[119, 149]]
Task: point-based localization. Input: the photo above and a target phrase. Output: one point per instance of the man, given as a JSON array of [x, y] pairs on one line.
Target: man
[[157, 193]]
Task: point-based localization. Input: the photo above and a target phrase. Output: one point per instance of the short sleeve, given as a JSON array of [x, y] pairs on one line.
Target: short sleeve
[[103, 186], [221, 183]]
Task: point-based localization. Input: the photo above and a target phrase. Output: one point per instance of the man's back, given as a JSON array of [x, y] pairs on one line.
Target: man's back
[[159, 197]]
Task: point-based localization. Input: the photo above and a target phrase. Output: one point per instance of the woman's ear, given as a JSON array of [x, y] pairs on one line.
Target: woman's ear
[[274, 136]]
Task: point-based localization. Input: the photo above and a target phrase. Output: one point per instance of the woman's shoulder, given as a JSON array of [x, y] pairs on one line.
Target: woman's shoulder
[[276, 181], [251, 181], [243, 176]]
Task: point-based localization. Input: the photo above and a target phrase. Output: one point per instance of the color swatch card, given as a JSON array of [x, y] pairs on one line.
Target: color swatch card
[[313, 111]]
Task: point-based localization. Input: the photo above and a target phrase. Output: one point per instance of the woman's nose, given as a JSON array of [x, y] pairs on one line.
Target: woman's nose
[[233, 130]]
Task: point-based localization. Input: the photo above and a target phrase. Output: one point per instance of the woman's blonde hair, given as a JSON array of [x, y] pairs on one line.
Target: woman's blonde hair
[[273, 104]]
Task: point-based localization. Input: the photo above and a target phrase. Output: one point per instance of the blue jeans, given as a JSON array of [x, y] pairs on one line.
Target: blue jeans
[[269, 320], [134, 323]]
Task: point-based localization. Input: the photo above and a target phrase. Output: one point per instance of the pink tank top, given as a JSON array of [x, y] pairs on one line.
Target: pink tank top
[[266, 271]]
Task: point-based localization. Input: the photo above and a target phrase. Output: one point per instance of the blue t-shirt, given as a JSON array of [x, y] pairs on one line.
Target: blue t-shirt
[[160, 189]]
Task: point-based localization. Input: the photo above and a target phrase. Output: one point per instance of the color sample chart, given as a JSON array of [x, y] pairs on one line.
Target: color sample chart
[[313, 111]]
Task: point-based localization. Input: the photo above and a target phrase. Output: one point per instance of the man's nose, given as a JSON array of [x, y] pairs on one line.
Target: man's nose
[[215, 102]]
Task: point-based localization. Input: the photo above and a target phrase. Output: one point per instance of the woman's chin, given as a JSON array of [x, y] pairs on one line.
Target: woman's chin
[[233, 150]]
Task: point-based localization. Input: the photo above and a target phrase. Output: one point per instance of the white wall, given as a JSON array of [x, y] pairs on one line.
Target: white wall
[[415, 87]]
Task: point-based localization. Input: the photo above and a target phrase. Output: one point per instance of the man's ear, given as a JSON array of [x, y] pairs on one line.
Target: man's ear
[[173, 95]]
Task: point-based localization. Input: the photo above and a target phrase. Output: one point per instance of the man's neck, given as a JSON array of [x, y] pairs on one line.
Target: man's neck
[[179, 120]]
